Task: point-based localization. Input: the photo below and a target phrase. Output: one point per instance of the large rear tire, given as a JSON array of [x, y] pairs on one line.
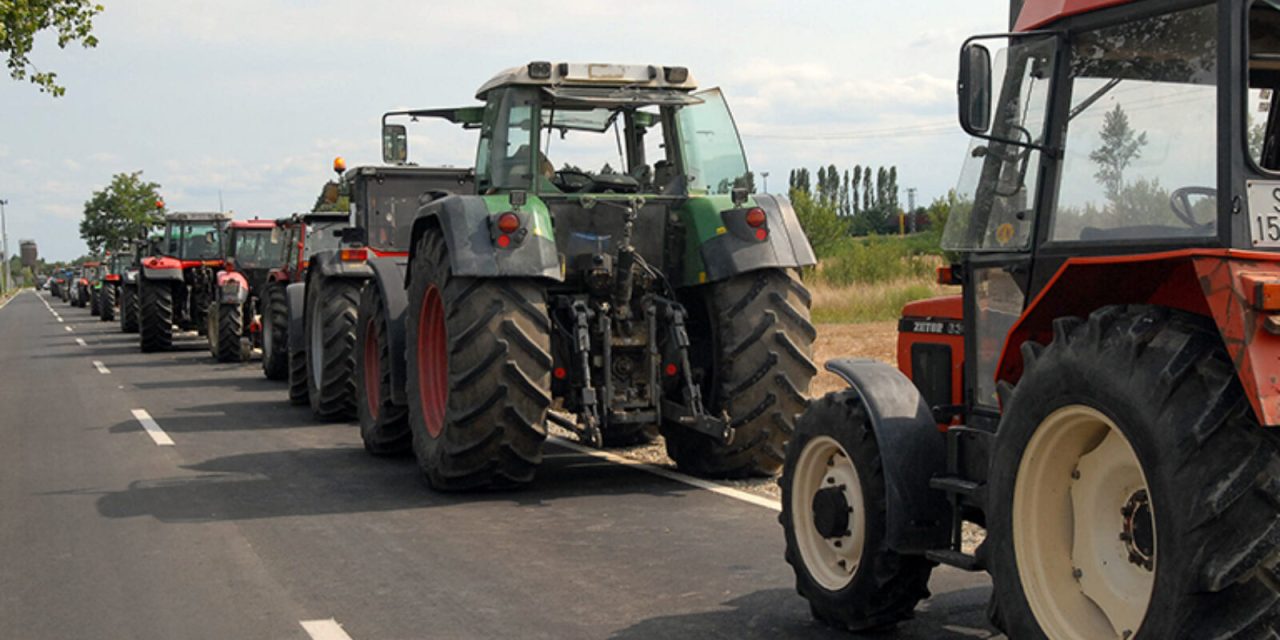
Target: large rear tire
[[332, 312], [226, 326], [95, 302], [299, 394], [1132, 491], [479, 369], [834, 505], [155, 316], [757, 363], [384, 425], [275, 333], [107, 303], [129, 308]]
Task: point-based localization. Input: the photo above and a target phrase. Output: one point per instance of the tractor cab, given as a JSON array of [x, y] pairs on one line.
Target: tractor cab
[[194, 237], [253, 248]]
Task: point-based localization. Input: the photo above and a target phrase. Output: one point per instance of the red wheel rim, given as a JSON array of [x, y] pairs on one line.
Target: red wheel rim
[[433, 361], [372, 376]]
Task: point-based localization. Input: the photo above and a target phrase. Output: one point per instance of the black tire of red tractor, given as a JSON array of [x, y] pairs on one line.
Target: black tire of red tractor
[[230, 326], [82, 299], [332, 308], [887, 585], [155, 316], [129, 309], [275, 333], [1166, 380], [107, 303], [95, 302], [384, 425], [497, 343], [760, 364]]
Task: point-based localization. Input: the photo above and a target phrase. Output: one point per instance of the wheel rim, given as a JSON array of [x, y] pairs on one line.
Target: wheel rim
[[315, 355], [372, 376], [824, 483], [433, 361], [1084, 528]]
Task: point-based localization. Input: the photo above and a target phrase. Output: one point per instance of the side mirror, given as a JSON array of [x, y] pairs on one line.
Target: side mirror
[[739, 196], [974, 89], [395, 144]]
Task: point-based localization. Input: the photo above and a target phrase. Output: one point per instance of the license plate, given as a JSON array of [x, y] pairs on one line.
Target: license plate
[[1264, 213]]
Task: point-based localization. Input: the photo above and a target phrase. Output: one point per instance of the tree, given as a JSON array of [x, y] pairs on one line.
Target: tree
[[868, 199], [123, 211], [1119, 148], [21, 20], [854, 200], [821, 224]]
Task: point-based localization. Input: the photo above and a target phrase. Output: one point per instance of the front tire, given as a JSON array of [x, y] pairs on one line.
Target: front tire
[[95, 303], [107, 303], [1133, 493], [226, 326], [275, 334], [384, 425], [758, 362], [834, 519], [332, 306], [155, 316], [479, 367]]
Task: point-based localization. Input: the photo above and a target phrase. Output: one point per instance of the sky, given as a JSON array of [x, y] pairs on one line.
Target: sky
[[243, 104]]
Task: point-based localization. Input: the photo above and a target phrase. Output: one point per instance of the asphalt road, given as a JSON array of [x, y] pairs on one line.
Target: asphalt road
[[257, 520]]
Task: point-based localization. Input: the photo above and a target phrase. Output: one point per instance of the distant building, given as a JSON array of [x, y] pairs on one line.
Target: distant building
[[29, 254]]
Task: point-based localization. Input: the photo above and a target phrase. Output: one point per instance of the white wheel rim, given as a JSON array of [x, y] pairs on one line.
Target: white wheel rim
[[1083, 528], [832, 560]]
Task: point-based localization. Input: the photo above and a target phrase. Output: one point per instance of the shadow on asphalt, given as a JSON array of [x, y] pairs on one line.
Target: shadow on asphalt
[[261, 415], [780, 613], [307, 482]]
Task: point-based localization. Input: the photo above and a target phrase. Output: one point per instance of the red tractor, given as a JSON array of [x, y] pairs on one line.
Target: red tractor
[[252, 250], [283, 348], [177, 285], [1103, 396], [81, 291]]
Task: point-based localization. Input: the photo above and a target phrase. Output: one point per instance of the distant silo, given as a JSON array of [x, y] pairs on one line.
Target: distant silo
[[29, 254]]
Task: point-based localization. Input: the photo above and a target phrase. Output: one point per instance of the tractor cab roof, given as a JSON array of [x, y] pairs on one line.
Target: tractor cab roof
[[1037, 14], [569, 79], [196, 216], [256, 223]]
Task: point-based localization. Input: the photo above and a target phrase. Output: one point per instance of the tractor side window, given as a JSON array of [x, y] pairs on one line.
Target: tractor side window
[[1141, 142], [511, 152], [714, 162], [1264, 85], [998, 303]]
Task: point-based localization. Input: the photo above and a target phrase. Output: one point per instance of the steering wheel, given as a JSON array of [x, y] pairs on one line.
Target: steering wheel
[[573, 180], [1180, 202]]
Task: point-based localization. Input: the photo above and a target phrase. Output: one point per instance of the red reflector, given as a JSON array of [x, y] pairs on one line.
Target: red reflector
[[504, 241], [755, 217], [508, 222], [560, 373], [354, 255], [672, 370], [761, 234]]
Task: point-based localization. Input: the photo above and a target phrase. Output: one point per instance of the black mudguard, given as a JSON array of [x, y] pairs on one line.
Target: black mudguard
[[730, 254], [911, 451], [389, 274], [296, 297], [172, 275], [329, 265], [464, 220]]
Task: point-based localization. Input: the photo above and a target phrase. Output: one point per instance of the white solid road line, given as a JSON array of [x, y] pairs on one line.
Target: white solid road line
[[6, 302], [714, 487], [81, 342], [102, 368], [162, 439], [324, 629]]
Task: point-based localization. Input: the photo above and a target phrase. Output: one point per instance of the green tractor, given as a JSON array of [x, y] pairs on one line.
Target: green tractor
[[636, 284]]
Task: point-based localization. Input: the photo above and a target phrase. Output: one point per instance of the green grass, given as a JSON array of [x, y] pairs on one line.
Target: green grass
[[869, 279]]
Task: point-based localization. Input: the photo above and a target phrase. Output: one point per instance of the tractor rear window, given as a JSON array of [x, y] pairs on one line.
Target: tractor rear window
[[194, 241], [257, 248], [393, 204], [1141, 145]]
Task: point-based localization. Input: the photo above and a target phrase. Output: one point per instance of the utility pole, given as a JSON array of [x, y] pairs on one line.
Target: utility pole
[[4, 233], [911, 207], [765, 174]]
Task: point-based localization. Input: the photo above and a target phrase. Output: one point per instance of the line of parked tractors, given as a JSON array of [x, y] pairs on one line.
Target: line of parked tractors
[[1095, 397]]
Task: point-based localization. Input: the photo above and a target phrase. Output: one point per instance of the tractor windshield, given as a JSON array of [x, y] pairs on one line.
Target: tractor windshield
[[257, 248], [194, 240], [1141, 138]]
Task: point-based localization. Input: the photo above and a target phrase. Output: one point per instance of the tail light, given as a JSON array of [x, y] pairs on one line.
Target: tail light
[[756, 218], [353, 255], [508, 222], [507, 229]]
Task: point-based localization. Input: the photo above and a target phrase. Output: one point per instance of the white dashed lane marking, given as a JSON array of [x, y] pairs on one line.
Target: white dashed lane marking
[[102, 368], [324, 629], [162, 439], [81, 342]]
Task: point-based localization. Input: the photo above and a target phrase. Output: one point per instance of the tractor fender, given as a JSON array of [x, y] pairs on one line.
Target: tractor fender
[[330, 265], [738, 249], [296, 297], [162, 268], [912, 451], [389, 274], [464, 220], [233, 288]]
